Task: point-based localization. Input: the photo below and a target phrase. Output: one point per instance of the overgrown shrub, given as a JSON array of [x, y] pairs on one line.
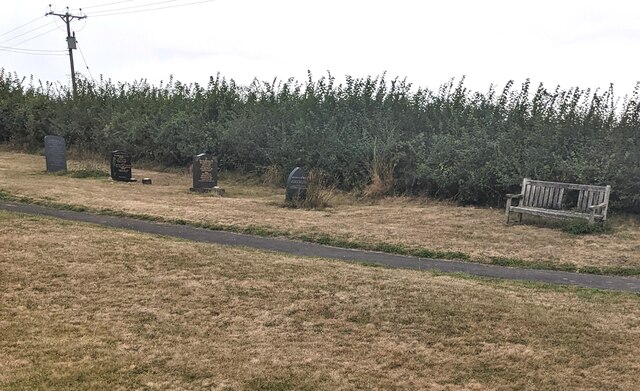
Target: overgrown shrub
[[372, 134]]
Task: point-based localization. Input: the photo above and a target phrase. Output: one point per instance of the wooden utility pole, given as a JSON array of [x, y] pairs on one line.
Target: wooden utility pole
[[71, 42]]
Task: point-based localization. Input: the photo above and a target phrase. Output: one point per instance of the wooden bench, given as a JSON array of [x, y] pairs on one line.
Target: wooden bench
[[560, 200]]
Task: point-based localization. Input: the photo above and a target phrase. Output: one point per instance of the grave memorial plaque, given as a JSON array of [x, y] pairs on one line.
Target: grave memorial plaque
[[296, 185], [55, 150], [205, 173], [121, 166]]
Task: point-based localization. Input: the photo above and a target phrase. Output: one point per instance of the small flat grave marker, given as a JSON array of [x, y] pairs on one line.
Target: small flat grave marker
[[205, 173], [121, 166], [296, 185], [55, 152]]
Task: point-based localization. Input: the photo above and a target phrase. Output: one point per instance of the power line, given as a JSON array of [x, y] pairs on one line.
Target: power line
[[20, 51], [134, 6], [104, 5], [154, 9], [20, 35], [32, 50], [27, 40], [19, 27]]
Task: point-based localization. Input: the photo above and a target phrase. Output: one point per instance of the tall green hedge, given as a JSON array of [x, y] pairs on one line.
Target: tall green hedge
[[451, 143]]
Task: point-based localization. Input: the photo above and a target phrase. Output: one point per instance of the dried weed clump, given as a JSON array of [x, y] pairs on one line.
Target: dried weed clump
[[319, 192], [381, 172], [273, 176]]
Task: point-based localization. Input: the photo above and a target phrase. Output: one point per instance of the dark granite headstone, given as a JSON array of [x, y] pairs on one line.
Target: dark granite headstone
[[296, 185], [121, 166], [205, 173], [55, 153]]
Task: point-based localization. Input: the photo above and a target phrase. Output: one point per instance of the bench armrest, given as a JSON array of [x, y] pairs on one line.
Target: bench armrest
[[602, 205], [512, 196]]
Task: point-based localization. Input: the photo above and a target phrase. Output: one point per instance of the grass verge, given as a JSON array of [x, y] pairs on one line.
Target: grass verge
[[322, 238]]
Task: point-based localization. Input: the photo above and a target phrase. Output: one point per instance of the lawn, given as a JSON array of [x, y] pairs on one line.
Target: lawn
[[414, 223], [86, 307]]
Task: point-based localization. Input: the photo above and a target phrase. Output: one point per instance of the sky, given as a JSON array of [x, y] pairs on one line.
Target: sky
[[587, 44]]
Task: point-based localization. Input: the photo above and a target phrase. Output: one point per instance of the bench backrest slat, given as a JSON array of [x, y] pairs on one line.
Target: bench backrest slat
[[533, 190], [590, 200], [551, 195], [560, 196], [560, 185]]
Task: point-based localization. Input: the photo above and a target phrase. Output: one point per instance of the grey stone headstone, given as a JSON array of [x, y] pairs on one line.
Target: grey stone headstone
[[296, 185], [121, 166], [55, 152], [205, 172]]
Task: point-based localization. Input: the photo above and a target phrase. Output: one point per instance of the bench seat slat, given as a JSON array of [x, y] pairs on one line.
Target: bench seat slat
[[552, 212]]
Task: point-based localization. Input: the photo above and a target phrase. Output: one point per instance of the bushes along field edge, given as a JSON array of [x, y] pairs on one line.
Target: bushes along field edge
[[376, 135]]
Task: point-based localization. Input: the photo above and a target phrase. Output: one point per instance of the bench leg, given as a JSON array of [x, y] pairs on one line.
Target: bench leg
[[520, 217], [508, 211]]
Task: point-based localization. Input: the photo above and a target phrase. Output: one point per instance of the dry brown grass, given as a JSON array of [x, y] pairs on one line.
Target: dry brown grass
[[478, 232], [382, 180], [83, 307]]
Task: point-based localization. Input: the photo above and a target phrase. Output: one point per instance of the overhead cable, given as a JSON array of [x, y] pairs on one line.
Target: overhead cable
[[32, 30], [29, 39], [154, 9], [134, 6], [106, 4], [19, 27]]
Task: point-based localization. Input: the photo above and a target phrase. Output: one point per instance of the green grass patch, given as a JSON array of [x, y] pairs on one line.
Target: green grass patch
[[567, 267], [91, 173], [4, 196], [578, 227], [572, 226], [611, 270], [390, 248], [520, 263]]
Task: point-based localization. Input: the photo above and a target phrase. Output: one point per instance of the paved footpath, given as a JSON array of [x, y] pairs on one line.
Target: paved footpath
[[628, 284]]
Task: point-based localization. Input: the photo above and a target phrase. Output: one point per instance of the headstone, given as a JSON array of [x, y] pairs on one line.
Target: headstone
[[55, 153], [121, 166], [146, 181], [205, 173], [296, 185]]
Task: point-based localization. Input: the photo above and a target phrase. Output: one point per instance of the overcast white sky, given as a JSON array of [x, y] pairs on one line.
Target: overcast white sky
[[581, 43]]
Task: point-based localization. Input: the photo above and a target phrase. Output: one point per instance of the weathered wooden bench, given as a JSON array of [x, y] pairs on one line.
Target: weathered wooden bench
[[560, 200]]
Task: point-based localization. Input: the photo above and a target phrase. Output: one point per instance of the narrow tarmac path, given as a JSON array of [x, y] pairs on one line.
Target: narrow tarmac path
[[627, 284]]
